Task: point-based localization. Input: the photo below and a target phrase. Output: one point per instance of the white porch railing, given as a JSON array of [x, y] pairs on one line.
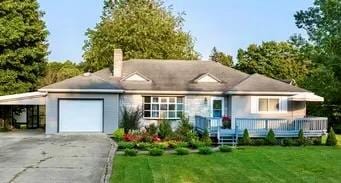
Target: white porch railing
[[259, 127]]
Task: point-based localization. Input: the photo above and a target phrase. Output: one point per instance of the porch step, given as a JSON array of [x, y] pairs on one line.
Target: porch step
[[229, 140]]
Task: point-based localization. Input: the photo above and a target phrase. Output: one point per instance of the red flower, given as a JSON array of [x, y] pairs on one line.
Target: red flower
[[156, 138]]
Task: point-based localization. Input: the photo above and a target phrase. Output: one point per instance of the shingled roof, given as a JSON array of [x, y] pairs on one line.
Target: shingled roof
[[176, 75]]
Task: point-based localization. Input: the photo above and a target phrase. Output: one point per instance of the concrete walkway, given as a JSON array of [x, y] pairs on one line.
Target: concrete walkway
[[34, 157]]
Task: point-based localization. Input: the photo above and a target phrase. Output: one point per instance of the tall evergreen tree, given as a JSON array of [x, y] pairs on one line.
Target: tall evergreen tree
[[221, 57], [142, 29], [23, 46]]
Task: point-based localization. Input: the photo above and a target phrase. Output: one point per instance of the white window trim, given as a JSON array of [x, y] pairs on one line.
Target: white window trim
[[283, 104], [159, 110], [222, 105]]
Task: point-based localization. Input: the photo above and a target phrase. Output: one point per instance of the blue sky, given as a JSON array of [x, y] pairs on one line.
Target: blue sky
[[226, 24]]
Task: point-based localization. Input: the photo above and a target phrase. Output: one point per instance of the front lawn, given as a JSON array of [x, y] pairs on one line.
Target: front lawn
[[249, 164]]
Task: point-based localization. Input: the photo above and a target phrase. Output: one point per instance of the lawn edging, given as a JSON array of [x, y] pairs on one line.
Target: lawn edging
[[109, 162]]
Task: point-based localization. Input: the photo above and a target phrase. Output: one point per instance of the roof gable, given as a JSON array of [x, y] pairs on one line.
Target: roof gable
[[207, 78], [136, 76]]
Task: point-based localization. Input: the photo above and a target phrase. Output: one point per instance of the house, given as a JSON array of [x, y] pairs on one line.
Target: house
[[204, 90]]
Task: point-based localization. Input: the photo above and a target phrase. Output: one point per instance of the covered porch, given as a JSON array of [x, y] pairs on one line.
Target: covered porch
[[25, 110]]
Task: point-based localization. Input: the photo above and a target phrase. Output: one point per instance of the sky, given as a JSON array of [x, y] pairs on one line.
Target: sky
[[227, 24]]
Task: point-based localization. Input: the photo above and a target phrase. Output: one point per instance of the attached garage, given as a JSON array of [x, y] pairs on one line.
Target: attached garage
[[80, 115]]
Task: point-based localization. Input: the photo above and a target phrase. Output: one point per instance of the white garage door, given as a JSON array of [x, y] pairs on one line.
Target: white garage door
[[80, 115]]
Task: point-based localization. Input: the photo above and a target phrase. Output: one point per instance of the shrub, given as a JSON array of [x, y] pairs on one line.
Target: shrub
[[118, 134], [182, 144], [152, 129], [130, 119], [125, 145], [206, 138], [258, 142], [160, 145], [317, 141], [184, 127], [181, 151], [205, 150], [300, 140], [130, 152], [177, 144], [225, 148], [246, 138], [156, 151], [270, 138], [191, 137], [331, 138], [197, 144], [132, 136], [165, 129], [143, 145], [287, 142]]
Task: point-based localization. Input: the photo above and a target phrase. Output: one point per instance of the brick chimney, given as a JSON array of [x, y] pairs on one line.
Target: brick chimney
[[118, 63]]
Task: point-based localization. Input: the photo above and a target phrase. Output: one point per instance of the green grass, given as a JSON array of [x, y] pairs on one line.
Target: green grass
[[250, 164]]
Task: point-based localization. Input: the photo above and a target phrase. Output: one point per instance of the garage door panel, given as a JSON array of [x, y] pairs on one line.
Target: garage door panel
[[80, 115]]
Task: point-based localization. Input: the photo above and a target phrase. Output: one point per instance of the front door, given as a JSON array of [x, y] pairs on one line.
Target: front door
[[217, 107]]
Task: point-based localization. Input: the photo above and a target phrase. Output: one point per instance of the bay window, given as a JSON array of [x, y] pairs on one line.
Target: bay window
[[163, 107]]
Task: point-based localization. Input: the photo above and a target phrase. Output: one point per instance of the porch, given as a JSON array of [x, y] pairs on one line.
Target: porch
[[259, 127]]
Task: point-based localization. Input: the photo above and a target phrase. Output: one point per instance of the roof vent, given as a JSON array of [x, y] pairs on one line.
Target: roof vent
[[87, 74]]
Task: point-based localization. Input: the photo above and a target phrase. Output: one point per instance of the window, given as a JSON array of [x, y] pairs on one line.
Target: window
[[217, 107], [163, 107], [269, 104]]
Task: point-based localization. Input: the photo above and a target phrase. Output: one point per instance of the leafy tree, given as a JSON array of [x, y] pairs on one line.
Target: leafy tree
[[142, 29], [278, 60], [23, 46], [221, 57], [322, 24], [58, 71]]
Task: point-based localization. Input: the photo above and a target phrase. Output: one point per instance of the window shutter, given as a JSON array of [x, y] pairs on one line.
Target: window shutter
[[284, 104], [254, 104]]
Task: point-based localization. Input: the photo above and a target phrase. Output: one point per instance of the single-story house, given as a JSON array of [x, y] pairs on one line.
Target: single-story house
[[205, 91]]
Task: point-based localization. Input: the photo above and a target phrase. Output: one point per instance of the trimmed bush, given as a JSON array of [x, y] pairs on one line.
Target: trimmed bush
[[182, 144], [130, 152], [118, 134], [287, 142], [156, 151], [197, 144], [270, 138], [225, 148], [258, 142], [125, 145], [205, 150], [301, 139], [165, 129], [160, 145], [143, 145], [317, 141], [206, 138], [182, 151], [331, 138], [246, 140]]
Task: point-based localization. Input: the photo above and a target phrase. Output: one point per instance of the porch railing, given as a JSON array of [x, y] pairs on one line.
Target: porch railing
[[258, 127]]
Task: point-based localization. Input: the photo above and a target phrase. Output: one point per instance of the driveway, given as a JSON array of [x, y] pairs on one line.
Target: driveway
[[35, 157]]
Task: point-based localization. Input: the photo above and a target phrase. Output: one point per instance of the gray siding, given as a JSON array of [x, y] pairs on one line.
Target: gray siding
[[241, 108], [111, 108], [194, 105]]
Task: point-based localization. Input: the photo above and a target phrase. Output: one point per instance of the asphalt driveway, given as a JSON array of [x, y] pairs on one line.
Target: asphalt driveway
[[37, 158]]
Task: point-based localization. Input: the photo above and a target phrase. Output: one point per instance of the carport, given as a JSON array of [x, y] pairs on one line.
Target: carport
[[25, 110]]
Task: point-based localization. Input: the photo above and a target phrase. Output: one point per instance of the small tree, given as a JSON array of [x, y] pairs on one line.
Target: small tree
[[270, 138], [130, 119], [165, 129], [300, 139], [331, 138], [184, 126], [246, 138]]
